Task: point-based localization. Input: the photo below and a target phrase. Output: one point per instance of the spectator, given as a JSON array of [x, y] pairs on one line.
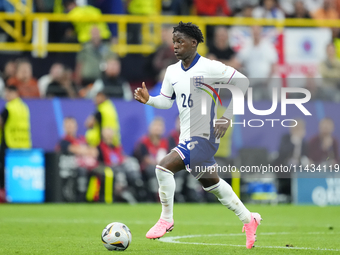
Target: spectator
[[177, 7], [236, 6], [71, 144], [24, 81], [287, 6], [292, 151], [111, 7], [327, 11], [313, 5], [4, 76], [76, 159], [7, 6], [323, 148], [84, 29], [62, 86], [220, 49], [268, 10], [56, 72], [164, 55], [128, 179], [142, 7], [91, 58], [44, 5], [330, 71], [300, 11], [139, 7], [111, 82], [246, 11], [212, 8], [14, 117], [68, 78], [293, 147], [9, 70], [313, 86], [259, 60], [105, 117], [149, 151], [337, 6]]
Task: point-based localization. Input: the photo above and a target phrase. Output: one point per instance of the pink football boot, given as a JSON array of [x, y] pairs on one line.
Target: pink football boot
[[159, 229], [250, 229]]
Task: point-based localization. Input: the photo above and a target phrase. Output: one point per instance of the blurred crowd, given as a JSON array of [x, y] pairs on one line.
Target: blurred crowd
[[134, 175], [97, 67], [95, 164], [318, 9]]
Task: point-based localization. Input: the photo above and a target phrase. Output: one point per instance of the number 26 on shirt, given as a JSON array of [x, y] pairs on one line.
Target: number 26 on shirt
[[187, 103]]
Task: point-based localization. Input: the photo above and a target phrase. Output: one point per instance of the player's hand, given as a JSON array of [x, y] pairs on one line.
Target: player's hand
[[221, 127], [142, 94]]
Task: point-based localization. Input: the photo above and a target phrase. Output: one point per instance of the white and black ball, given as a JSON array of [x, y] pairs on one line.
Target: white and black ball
[[116, 236]]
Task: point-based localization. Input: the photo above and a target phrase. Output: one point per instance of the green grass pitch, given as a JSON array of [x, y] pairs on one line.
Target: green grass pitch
[[199, 229]]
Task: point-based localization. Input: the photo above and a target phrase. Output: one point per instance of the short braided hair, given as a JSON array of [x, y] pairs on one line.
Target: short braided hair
[[190, 30]]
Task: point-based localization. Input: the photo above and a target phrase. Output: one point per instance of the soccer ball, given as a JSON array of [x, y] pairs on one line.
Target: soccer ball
[[116, 236]]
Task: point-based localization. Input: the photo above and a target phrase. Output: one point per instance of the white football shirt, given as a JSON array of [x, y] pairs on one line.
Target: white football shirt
[[190, 88]]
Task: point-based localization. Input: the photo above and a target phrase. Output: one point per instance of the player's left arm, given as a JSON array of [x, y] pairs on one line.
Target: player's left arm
[[231, 77], [241, 81], [221, 127]]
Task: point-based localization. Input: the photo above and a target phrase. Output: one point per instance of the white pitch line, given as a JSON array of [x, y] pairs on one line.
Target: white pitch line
[[174, 239]]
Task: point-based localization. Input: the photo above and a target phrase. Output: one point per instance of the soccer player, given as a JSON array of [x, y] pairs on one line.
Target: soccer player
[[199, 139]]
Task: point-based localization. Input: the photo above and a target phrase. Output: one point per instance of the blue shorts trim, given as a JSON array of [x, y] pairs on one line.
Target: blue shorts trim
[[197, 153]]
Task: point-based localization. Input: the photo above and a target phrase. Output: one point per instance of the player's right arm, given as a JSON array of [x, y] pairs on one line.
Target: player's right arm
[[142, 94], [163, 101]]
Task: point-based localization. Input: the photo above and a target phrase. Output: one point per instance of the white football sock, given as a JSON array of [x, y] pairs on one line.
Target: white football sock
[[166, 190], [227, 197]]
